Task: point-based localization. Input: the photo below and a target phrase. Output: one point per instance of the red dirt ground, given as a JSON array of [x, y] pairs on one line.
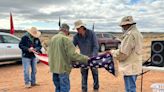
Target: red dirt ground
[[11, 80]]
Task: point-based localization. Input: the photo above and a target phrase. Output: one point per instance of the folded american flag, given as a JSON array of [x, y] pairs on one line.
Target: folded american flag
[[101, 61]]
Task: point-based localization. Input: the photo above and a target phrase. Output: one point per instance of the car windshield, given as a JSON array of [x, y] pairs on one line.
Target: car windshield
[[106, 36]]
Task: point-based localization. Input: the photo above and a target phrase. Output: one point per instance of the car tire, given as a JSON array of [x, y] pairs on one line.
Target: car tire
[[102, 47]]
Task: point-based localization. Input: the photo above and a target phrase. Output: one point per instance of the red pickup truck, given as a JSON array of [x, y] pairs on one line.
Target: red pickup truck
[[107, 41]]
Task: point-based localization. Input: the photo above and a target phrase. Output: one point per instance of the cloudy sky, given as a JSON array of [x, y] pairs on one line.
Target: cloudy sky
[[106, 14]]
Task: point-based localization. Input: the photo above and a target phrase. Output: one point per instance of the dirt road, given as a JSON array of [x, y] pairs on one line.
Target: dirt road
[[11, 80]]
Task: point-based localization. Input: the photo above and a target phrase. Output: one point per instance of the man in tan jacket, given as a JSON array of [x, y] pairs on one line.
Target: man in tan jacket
[[129, 53]]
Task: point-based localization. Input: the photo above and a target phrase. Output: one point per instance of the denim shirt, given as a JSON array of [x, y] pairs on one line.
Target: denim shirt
[[88, 44]]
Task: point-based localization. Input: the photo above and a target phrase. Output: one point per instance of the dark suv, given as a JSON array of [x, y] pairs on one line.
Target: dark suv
[[107, 41]]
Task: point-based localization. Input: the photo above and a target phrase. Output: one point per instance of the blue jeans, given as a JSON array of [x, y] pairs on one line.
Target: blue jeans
[[27, 62], [84, 73], [61, 82], [130, 83]]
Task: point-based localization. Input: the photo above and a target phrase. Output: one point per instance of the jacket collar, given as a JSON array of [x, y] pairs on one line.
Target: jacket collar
[[130, 29], [61, 32], [29, 36]]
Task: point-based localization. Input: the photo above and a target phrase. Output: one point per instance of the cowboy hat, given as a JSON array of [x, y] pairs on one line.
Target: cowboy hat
[[34, 32], [78, 24], [127, 20]]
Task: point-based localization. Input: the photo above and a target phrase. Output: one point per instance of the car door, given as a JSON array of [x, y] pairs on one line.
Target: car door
[[2, 49], [11, 47]]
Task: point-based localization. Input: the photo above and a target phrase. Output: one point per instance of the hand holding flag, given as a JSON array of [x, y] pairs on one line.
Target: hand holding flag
[[101, 61]]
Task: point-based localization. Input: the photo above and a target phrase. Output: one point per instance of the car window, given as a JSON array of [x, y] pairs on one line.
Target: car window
[[10, 39], [99, 35], [107, 36], [1, 39], [110, 35]]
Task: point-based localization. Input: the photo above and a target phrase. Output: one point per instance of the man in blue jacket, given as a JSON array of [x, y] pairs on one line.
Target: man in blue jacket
[[88, 45], [29, 42]]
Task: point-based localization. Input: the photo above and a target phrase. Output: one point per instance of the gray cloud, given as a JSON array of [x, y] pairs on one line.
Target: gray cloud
[[106, 14]]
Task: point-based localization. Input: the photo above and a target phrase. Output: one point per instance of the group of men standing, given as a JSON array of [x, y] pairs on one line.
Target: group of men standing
[[62, 51]]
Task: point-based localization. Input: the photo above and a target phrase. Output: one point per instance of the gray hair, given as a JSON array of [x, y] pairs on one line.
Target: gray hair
[[64, 26]]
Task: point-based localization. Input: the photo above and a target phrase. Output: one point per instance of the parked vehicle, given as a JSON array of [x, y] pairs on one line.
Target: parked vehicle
[[9, 50], [107, 41]]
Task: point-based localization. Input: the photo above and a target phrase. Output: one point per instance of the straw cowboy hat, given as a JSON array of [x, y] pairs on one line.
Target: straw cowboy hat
[[34, 32], [127, 20], [78, 24]]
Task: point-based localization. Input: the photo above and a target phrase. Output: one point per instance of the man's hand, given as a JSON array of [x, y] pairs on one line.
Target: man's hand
[[31, 49], [111, 51], [89, 59]]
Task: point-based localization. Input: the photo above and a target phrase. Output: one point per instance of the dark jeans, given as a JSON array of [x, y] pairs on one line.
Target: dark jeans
[[61, 82], [84, 73]]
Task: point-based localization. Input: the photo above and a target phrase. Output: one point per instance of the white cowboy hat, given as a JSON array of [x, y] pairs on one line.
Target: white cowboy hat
[[127, 20], [34, 32], [78, 24]]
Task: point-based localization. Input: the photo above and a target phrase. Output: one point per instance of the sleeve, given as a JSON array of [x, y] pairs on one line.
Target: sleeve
[[95, 45], [22, 44], [39, 46], [70, 51], [75, 42], [127, 45], [118, 55]]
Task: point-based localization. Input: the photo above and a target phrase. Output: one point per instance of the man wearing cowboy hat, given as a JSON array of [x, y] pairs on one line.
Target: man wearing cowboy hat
[[61, 52], [29, 42], [88, 45], [129, 53]]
